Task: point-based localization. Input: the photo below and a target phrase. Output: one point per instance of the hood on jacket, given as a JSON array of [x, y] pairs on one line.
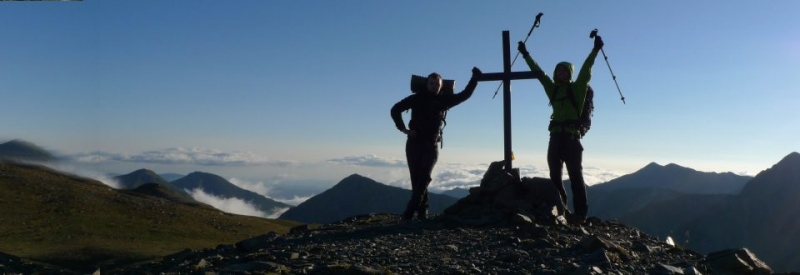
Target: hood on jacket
[[569, 67]]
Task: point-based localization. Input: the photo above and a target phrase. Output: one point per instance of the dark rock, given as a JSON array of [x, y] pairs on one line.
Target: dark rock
[[256, 243], [667, 269], [300, 229], [739, 261]]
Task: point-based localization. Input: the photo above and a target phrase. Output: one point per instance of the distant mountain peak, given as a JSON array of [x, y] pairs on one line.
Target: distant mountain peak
[[784, 176], [20, 142], [24, 150], [791, 160], [218, 186], [139, 177], [357, 195], [201, 173], [143, 171], [354, 177], [652, 165], [679, 178], [673, 165]]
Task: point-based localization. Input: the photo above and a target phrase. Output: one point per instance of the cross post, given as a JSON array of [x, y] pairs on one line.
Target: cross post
[[506, 76]]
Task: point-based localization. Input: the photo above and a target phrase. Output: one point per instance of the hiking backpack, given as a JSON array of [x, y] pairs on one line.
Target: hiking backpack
[[585, 121], [420, 84]]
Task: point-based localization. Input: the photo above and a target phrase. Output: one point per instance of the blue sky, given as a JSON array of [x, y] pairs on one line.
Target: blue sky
[[264, 91]]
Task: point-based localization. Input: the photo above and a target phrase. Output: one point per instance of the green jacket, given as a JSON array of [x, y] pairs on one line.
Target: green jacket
[[563, 110]]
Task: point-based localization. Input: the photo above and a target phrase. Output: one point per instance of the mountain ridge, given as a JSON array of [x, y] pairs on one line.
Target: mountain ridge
[[18, 149], [678, 178], [76, 222], [357, 195], [762, 216], [220, 187]]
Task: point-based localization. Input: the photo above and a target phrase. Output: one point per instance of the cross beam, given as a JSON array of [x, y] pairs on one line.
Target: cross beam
[[506, 76]]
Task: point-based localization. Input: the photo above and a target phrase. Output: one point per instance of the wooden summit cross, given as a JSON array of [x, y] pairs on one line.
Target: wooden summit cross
[[506, 76]]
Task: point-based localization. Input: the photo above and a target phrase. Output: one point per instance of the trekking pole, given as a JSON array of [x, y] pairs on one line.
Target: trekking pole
[[592, 35], [535, 25]]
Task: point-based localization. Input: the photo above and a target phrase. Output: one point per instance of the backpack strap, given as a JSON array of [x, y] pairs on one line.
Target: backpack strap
[[441, 130], [567, 123], [571, 96]]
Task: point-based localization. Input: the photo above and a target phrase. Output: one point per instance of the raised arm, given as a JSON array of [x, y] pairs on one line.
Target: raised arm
[[547, 82], [466, 93], [581, 83]]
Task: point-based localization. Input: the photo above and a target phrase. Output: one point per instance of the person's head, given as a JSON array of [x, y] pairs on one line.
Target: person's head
[[563, 72], [434, 83]]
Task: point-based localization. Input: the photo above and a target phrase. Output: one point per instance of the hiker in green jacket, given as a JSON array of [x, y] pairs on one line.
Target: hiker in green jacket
[[422, 150], [567, 98]]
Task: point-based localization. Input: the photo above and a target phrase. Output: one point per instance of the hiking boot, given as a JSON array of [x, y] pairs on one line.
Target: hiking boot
[[576, 219], [408, 215]]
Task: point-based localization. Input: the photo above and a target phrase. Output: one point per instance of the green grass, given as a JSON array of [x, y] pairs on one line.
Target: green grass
[[79, 223]]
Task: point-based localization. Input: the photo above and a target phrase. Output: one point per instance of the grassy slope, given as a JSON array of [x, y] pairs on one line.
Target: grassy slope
[[70, 221]]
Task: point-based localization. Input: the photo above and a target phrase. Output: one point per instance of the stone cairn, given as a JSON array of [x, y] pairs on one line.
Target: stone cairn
[[504, 197]]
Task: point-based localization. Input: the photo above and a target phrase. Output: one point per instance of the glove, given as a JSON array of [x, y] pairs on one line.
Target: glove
[[476, 72], [598, 43], [522, 49]]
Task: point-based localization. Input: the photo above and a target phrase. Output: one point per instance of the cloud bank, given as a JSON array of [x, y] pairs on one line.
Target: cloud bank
[[369, 161], [230, 205], [290, 193], [185, 156], [449, 176]]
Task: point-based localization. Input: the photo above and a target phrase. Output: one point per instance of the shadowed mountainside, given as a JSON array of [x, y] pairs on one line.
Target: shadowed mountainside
[[162, 192], [24, 151], [78, 223], [677, 178], [357, 195], [764, 216], [218, 186], [141, 177]]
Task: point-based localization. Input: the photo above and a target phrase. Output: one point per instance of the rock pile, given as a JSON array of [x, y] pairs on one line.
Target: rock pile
[[382, 244]]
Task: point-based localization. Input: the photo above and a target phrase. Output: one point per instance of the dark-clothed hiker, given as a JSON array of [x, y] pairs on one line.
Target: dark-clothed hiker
[[567, 98], [427, 113]]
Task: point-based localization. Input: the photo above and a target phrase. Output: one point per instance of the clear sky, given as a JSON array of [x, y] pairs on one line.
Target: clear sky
[[263, 91]]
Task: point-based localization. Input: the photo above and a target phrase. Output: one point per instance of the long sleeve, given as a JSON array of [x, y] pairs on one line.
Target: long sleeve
[[547, 82], [463, 95], [582, 81], [398, 109]]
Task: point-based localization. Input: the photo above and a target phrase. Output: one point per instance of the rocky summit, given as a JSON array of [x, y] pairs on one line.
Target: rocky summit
[[506, 226], [381, 244]]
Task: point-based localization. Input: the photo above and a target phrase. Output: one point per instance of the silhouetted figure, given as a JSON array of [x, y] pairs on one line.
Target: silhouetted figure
[[422, 151], [567, 98]]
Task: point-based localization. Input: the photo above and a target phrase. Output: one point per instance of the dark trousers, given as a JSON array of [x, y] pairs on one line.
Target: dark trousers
[[566, 149], [421, 156]]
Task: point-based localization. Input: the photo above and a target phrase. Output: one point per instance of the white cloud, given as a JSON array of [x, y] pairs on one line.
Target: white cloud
[[369, 160], [296, 200], [448, 176], [271, 191], [259, 187], [277, 213], [180, 155], [230, 205]]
